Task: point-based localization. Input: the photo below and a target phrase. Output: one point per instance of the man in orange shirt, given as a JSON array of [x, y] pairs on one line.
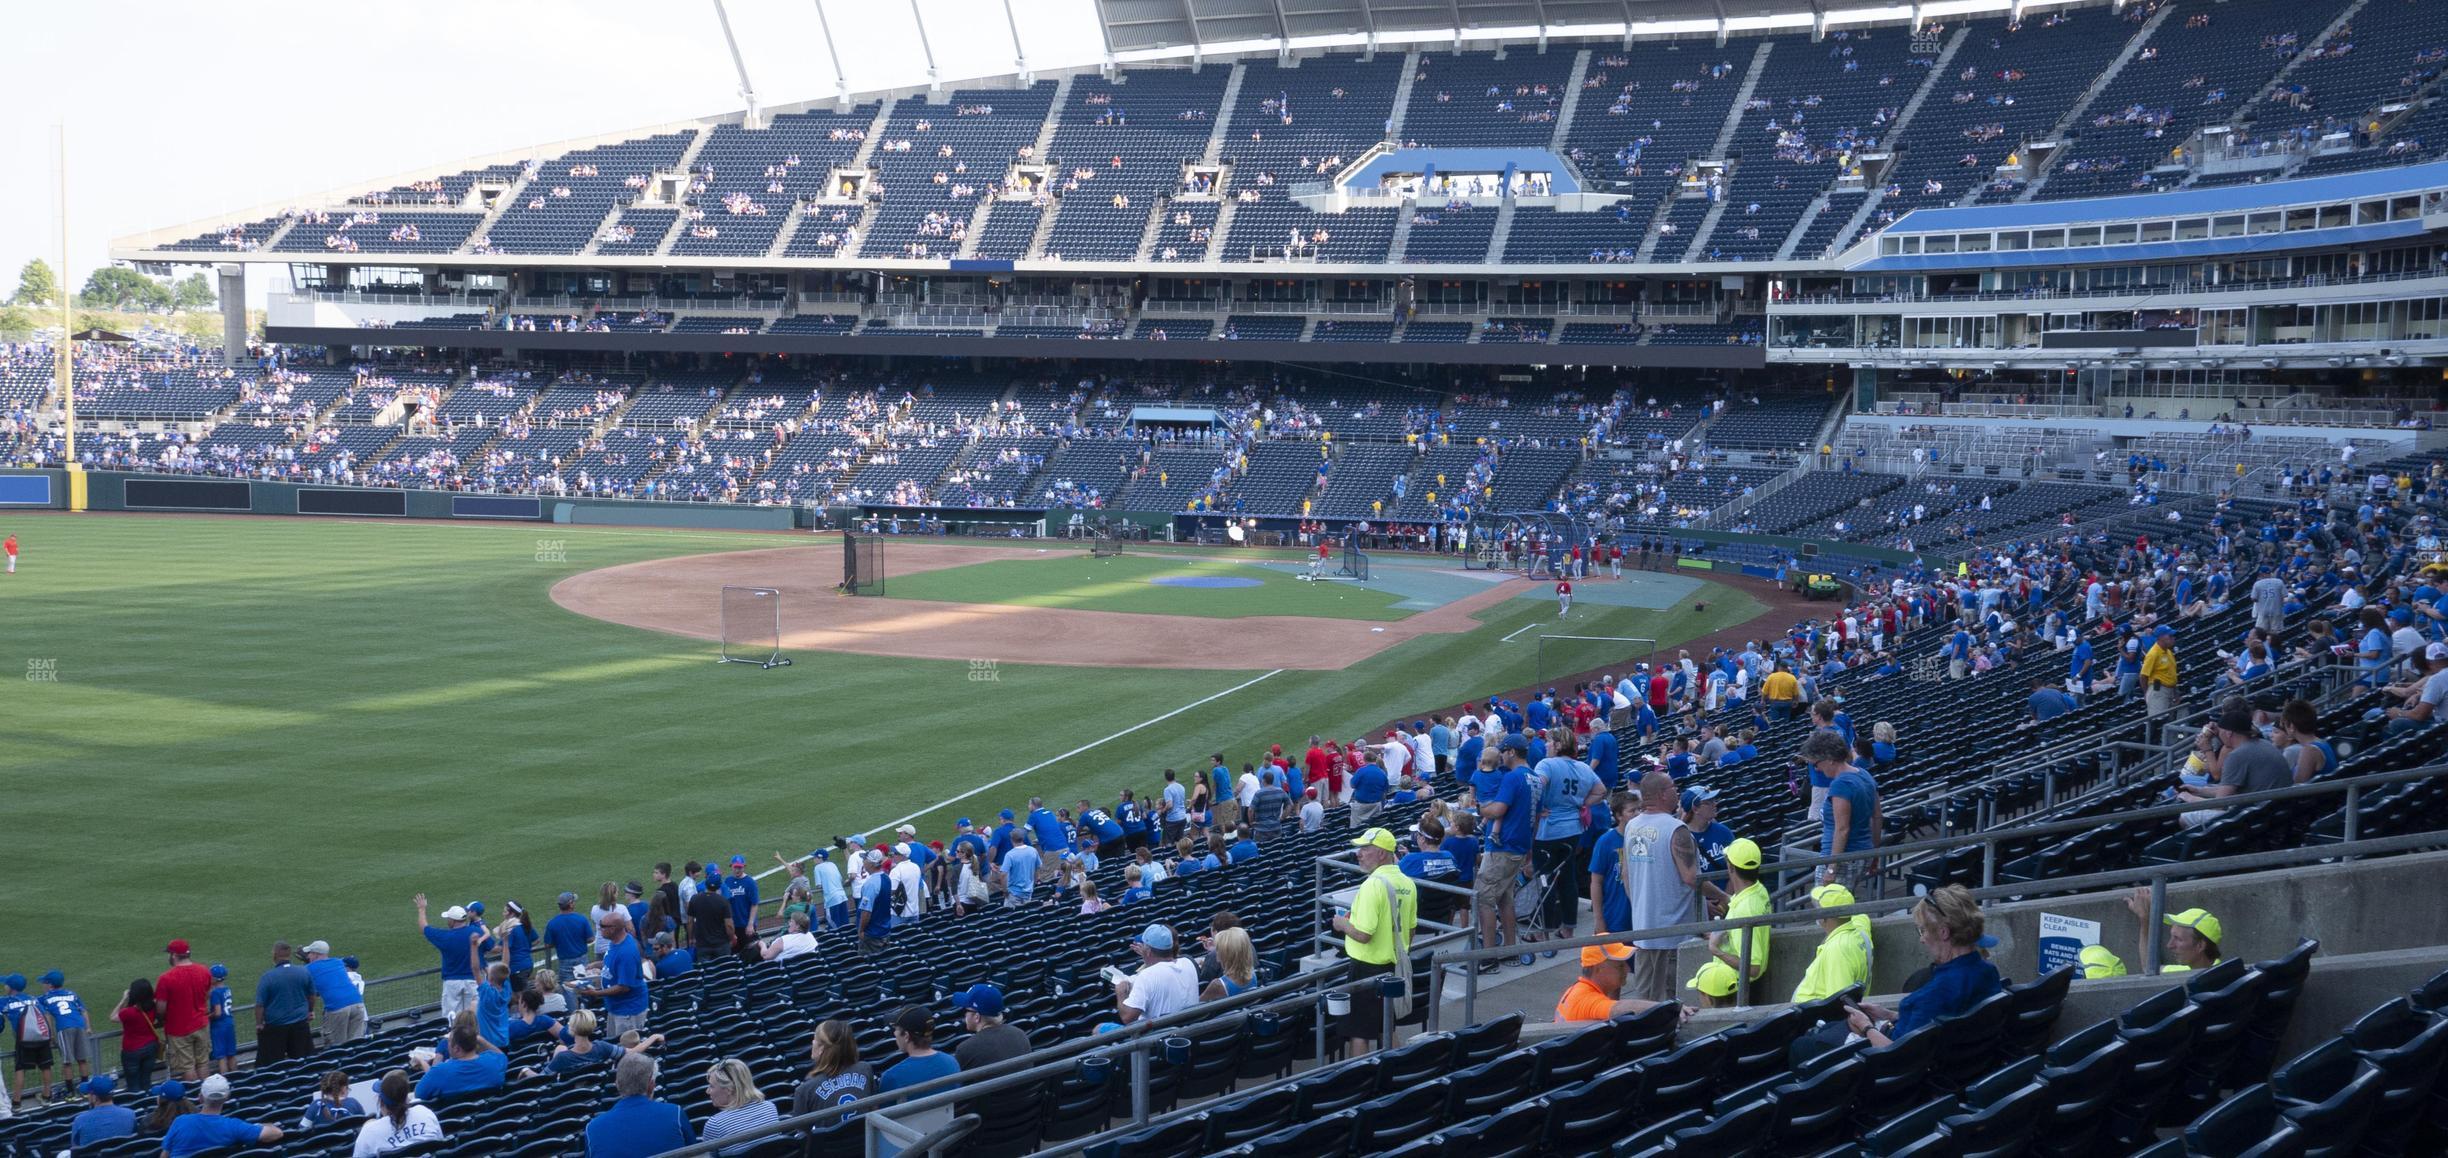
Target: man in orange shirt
[[1597, 995]]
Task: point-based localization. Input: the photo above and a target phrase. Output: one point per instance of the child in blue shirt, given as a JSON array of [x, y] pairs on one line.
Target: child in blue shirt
[[493, 1006], [222, 1021]]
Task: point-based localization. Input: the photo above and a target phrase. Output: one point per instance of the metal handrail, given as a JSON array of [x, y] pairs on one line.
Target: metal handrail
[[2144, 291], [1037, 1066], [2351, 787], [246, 1026], [2076, 749], [2157, 877]]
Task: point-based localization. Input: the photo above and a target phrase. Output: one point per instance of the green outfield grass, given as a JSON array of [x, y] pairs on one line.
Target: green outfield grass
[[250, 729], [1071, 578]]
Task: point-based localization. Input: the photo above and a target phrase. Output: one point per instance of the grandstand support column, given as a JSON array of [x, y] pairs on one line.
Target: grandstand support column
[[233, 313], [2082, 104], [755, 116], [1572, 101], [934, 77], [1895, 132], [841, 80], [1019, 54], [1402, 96], [1223, 121], [1865, 388]]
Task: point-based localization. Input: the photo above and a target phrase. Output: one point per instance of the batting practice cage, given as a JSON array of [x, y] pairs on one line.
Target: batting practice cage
[[752, 626], [1105, 546], [862, 565], [1355, 560]]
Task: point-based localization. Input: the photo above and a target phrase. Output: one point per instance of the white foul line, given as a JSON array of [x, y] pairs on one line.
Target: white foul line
[[1525, 627], [889, 825]]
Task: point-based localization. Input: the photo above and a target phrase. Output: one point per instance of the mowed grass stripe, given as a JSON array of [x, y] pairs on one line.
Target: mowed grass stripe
[[1072, 579], [282, 728]]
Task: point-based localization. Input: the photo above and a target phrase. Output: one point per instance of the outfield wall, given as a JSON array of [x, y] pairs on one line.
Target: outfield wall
[[190, 494], [40, 489]]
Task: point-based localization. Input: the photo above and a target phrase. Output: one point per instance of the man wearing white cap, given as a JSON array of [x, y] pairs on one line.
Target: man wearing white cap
[[457, 946], [344, 1012], [1165, 984], [208, 1129], [875, 908], [908, 880]]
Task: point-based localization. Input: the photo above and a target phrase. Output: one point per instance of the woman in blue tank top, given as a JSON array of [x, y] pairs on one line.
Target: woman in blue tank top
[[1236, 965]]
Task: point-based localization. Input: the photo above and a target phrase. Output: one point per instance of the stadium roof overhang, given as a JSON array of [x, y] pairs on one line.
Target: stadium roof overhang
[[1151, 29]]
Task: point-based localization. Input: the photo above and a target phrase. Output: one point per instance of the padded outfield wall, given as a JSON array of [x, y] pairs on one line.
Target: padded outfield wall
[[47, 489], [192, 494]]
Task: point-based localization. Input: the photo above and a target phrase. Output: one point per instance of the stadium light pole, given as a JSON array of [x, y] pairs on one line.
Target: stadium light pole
[[756, 116]]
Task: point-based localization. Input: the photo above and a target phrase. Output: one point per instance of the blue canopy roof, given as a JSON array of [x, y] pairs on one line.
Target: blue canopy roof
[[2177, 203]]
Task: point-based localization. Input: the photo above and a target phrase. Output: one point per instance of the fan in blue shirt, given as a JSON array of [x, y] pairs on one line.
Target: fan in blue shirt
[[741, 890], [1099, 823], [471, 1068], [1051, 834], [1368, 784], [207, 1129], [1604, 753], [1517, 827], [1466, 755], [637, 1126], [568, 932]]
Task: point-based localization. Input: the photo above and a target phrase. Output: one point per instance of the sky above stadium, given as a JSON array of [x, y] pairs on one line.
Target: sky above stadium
[[177, 112]]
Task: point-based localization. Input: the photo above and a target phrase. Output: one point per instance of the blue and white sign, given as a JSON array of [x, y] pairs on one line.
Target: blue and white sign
[[2062, 940]]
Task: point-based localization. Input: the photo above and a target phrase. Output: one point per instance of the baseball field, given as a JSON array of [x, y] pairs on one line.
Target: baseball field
[[242, 729]]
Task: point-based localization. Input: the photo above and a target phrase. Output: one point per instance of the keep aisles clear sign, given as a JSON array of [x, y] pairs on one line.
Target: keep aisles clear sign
[[2063, 938]]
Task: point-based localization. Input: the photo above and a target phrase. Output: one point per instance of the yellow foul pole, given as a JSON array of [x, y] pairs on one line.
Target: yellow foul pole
[[63, 360]]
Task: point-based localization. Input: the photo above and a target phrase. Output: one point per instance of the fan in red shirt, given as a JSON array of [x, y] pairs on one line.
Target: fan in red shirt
[[1659, 688], [180, 994], [139, 1044], [1314, 762]]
